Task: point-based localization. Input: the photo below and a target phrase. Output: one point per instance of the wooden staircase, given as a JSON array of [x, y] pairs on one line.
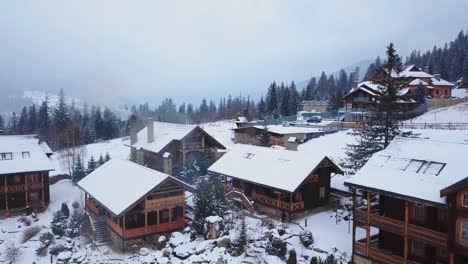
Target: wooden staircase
[[101, 232]]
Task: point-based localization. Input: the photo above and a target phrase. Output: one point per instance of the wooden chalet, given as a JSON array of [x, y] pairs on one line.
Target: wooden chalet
[[24, 174], [416, 193], [276, 181], [288, 137], [166, 147], [133, 201]]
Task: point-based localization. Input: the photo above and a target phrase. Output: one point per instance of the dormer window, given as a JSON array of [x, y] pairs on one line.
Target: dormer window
[[6, 156], [26, 155]]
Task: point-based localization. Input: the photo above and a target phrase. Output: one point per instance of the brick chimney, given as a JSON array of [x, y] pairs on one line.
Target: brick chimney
[[133, 129], [150, 130], [437, 76], [167, 163]]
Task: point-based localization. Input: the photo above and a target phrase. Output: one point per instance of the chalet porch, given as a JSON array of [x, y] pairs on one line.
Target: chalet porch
[[150, 217], [401, 238]]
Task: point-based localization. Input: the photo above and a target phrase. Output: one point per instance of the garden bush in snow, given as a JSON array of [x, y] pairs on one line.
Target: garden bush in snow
[[12, 252], [292, 259], [65, 211], [59, 223], [25, 220], [56, 249], [306, 237], [276, 247], [75, 224]]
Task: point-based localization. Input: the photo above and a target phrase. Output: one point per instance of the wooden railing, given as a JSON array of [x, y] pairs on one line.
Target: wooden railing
[[270, 202], [193, 145], [34, 186], [114, 226], [12, 188], [430, 236], [386, 257], [165, 202], [152, 229], [235, 194], [91, 206]]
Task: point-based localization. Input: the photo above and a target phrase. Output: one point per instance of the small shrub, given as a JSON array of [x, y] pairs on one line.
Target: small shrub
[[276, 247], [76, 205], [12, 252], [281, 228], [59, 224], [65, 211], [47, 239], [56, 249], [24, 220], [75, 224], [30, 232], [41, 251], [306, 237], [329, 260], [292, 257]]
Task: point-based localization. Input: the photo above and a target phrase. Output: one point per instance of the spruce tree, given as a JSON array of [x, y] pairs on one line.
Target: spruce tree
[[101, 160], [92, 165], [189, 172], [382, 122], [23, 122], [261, 108], [32, 119], [43, 116], [13, 124], [107, 157], [78, 170], [2, 124], [264, 139], [61, 115], [272, 99], [284, 106], [209, 199]]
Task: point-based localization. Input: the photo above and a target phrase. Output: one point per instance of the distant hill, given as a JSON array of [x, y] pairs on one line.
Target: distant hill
[[363, 65]]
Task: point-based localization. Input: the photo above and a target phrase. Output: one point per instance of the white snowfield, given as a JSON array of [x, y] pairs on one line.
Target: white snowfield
[[278, 168], [417, 167], [23, 154], [116, 177], [450, 114]]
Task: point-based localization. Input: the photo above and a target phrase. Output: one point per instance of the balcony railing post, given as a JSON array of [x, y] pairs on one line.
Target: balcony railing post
[[405, 252], [368, 223]]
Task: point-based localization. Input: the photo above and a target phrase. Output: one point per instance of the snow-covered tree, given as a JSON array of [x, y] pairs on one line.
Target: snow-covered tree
[[209, 200], [265, 137], [59, 224], [78, 170], [92, 165]]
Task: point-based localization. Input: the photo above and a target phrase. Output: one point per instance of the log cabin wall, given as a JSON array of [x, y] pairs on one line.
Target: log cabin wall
[[460, 216], [315, 190]]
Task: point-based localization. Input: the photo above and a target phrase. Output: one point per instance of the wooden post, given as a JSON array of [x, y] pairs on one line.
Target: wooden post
[[6, 194], [354, 225], [26, 190], [42, 190], [368, 224], [157, 219], [405, 252], [290, 202], [123, 227], [146, 217]]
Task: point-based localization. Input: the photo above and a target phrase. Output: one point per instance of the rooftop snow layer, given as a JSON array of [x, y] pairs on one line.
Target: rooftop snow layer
[[395, 169], [118, 183], [27, 155], [277, 168], [164, 133]]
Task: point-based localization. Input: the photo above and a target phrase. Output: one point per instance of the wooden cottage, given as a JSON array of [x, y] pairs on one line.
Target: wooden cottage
[[133, 201], [166, 147], [24, 174], [288, 137], [419, 210], [274, 180]]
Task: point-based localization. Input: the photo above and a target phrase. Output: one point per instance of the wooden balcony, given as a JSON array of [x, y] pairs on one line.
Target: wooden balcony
[[192, 146], [385, 257], [427, 235], [265, 200], [165, 202], [91, 206], [12, 188], [153, 229]]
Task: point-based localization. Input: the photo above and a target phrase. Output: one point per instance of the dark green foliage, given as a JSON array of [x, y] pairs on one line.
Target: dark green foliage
[[92, 165], [261, 108], [2, 123], [59, 224], [101, 160], [209, 199], [107, 157], [65, 211], [276, 247], [420, 94], [329, 260], [75, 224], [189, 172], [78, 170], [202, 165], [264, 139], [241, 242], [292, 259], [47, 239]]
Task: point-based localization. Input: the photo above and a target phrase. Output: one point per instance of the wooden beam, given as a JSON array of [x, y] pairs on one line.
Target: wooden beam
[[42, 191], [123, 226], [6, 194], [146, 218], [405, 250], [368, 224], [354, 224]]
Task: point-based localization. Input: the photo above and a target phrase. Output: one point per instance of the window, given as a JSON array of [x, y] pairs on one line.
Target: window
[[34, 196], [437, 92], [419, 212], [164, 216], [152, 218], [464, 234], [465, 199], [26, 155], [446, 92], [322, 192], [415, 165], [418, 248], [249, 155], [434, 168], [6, 156]]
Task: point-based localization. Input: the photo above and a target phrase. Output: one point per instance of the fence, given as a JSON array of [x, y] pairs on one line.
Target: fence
[[447, 126], [439, 103]]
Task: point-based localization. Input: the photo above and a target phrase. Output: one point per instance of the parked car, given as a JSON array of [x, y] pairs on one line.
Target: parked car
[[314, 119]]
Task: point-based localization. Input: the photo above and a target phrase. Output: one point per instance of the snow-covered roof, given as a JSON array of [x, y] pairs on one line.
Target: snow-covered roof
[[279, 129], [164, 133], [418, 82], [22, 154], [460, 93], [278, 168], [440, 82], [409, 72], [292, 139], [119, 184], [416, 167], [242, 119]]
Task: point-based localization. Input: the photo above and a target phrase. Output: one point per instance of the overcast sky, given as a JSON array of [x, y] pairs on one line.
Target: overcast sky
[[189, 49]]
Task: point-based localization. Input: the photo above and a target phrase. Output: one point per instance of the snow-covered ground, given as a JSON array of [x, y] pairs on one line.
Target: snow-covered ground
[[450, 114]]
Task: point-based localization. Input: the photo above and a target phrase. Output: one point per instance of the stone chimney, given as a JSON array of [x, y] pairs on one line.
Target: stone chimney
[[426, 69], [437, 76], [150, 130], [133, 129], [167, 162]]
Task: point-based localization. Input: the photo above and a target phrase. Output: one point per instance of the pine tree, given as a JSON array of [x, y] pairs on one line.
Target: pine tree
[[242, 240], [265, 137], [92, 165], [2, 124], [189, 172], [32, 119], [13, 124], [292, 259], [107, 157], [61, 114], [272, 99], [284, 106], [43, 116], [59, 224], [209, 199], [294, 99], [78, 170], [101, 160], [381, 126], [261, 108], [23, 122]]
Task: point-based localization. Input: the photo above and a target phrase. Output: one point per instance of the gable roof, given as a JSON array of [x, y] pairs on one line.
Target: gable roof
[[165, 133], [37, 159], [278, 168], [119, 184], [404, 168], [283, 130]]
